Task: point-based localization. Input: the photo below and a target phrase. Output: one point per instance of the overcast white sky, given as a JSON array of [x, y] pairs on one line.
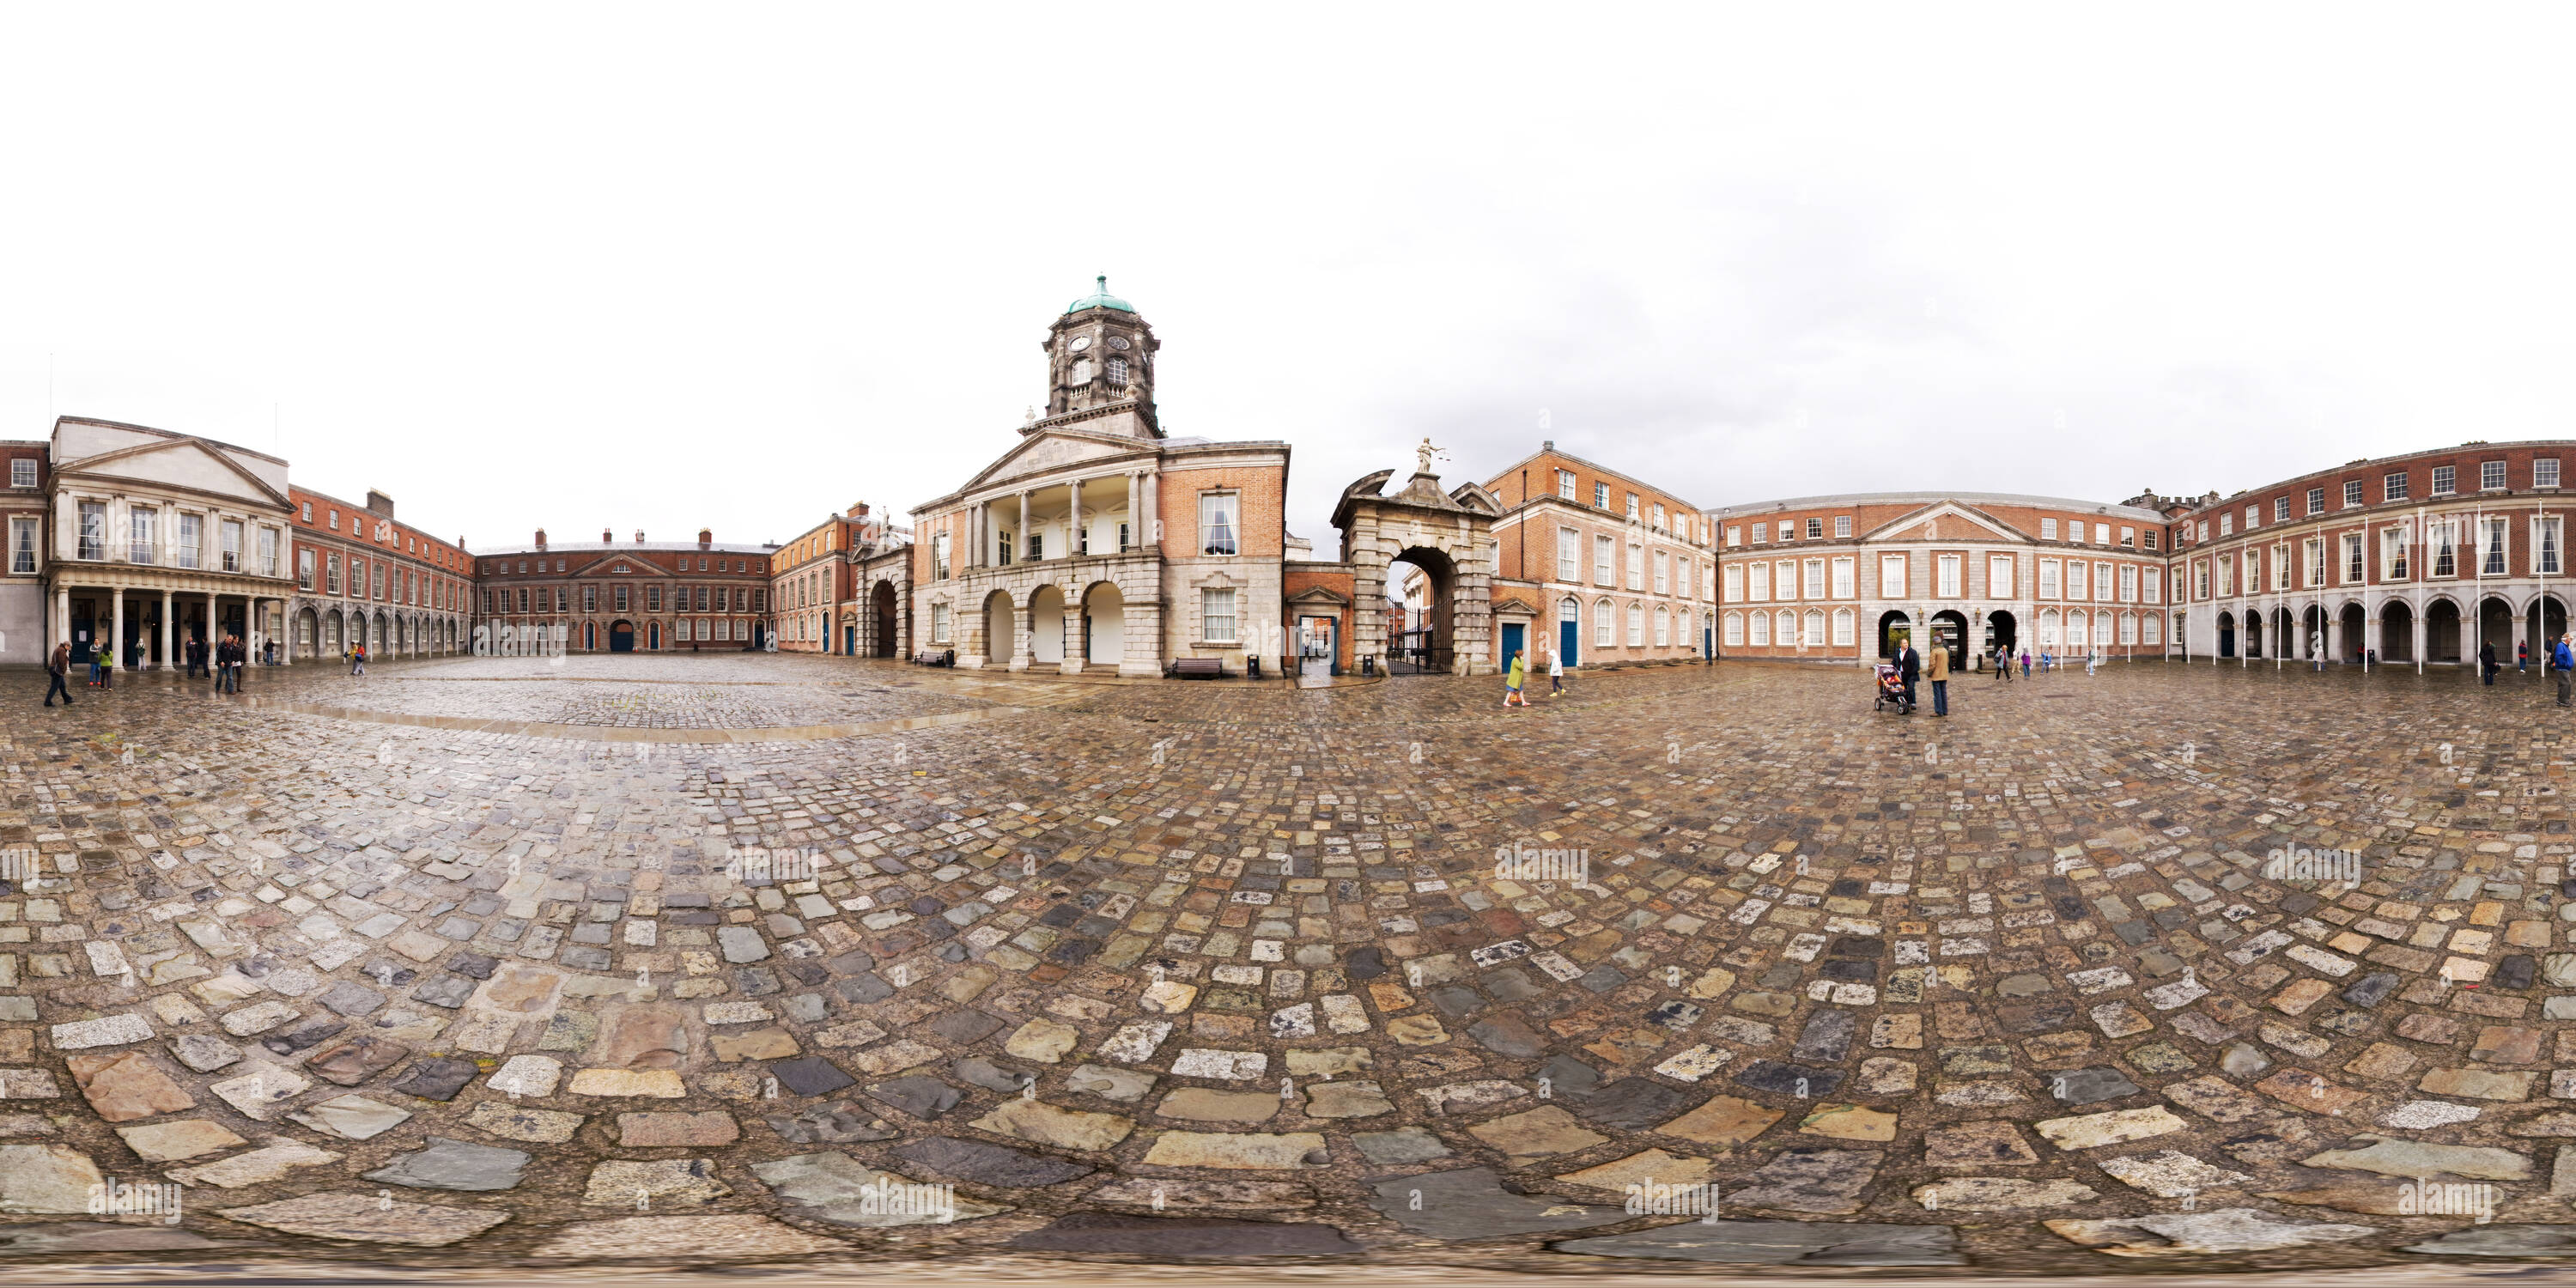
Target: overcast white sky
[[737, 266]]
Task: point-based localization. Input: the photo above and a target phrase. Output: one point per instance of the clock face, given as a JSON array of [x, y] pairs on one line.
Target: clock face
[[1080, 343], [1118, 342]]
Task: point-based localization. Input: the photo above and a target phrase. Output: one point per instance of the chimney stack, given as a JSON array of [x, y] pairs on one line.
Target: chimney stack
[[858, 509], [605, 536], [541, 538], [639, 536], [706, 538]]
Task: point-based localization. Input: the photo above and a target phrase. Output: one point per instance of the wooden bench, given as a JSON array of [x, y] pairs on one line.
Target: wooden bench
[[939, 657], [1196, 668]]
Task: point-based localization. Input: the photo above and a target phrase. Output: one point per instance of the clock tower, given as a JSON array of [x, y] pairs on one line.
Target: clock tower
[[1100, 365]]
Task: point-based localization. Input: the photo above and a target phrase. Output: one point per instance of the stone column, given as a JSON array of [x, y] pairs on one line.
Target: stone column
[[168, 608], [2416, 625], [1074, 533], [1023, 621], [2521, 635], [210, 628], [116, 632], [1020, 539], [2334, 637], [1075, 655], [1135, 511], [1151, 531]]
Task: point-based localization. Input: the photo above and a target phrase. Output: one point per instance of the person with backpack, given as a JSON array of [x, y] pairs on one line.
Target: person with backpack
[[58, 669]]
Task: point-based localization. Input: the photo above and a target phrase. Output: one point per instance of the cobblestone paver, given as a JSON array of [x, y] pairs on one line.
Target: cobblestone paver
[[2237, 968]]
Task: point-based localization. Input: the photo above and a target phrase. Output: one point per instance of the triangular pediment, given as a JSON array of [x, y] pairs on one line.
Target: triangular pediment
[[180, 463], [1946, 521], [1055, 449], [604, 565]]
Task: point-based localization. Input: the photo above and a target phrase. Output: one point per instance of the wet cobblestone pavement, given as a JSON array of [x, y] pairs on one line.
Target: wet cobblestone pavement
[[2069, 982]]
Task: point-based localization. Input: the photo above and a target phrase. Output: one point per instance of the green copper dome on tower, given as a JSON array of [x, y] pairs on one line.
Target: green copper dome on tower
[[1100, 298]]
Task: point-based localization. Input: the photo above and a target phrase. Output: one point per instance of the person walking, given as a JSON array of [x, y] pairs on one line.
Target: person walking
[[58, 669], [1939, 674], [2562, 662], [1909, 668], [2025, 663], [233, 670], [1512, 681], [2003, 665], [2487, 667], [2522, 658], [358, 658], [1556, 673]]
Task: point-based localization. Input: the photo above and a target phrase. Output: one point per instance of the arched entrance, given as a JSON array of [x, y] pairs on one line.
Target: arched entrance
[[1426, 639], [1104, 625], [308, 632], [2443, 636], [2543, 620], [2002, 632], [881, 618], [2495, 628], [621, 636], [2226, 633], [2396, 631], [2253, 635], [1569, 629], [1046, 626], [1894, 629], [1001, 631], [1443, 535], [1950, 632], [2356, 632]]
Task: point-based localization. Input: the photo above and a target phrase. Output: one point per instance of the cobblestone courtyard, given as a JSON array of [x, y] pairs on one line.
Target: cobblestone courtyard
[[692, 959]]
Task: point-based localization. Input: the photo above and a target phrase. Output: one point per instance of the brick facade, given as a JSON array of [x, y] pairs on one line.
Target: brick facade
[[1840, 578], [668, 597], [361, 573]]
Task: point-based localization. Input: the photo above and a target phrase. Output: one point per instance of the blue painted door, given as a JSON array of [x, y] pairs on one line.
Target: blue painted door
[[1512, 643], [1567, 634]]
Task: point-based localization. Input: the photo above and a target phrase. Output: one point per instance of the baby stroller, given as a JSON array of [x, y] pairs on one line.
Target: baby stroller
[[1891, 690]]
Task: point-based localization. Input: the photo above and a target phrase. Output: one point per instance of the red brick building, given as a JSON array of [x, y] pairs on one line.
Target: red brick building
[[612, 597], [23, 638], [1603, 568], [2412, 559], [844, 586], [361, 574], [1843, 578]]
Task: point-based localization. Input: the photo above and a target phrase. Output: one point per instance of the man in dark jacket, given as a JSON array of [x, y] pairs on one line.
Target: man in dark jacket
[[1909, 668], [58, 668]]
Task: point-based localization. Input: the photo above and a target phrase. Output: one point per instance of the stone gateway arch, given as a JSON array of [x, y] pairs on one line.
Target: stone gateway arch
[[1449, 535]]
